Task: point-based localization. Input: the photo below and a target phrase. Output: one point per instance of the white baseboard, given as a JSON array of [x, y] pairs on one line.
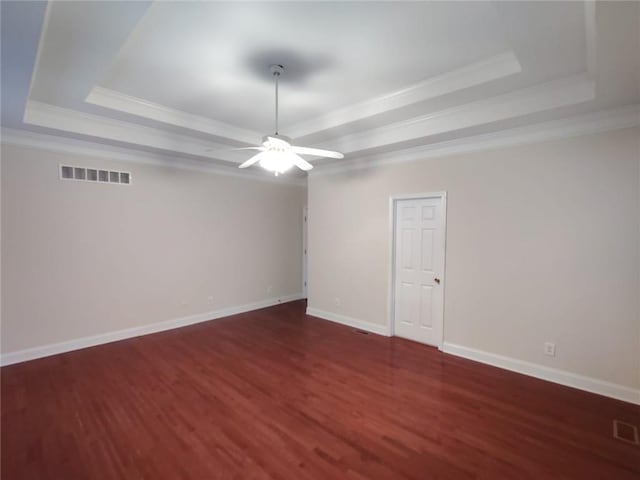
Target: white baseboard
[[84, 342], [593, 385], [351, 322]]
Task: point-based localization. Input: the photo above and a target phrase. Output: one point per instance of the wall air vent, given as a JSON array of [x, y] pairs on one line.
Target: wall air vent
[[95, 175]]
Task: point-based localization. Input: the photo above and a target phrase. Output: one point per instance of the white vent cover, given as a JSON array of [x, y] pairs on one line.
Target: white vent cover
[[86, 174]]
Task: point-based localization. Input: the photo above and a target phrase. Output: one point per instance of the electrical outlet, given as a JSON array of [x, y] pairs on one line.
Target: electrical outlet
[[550, 349], [270, 289], [337, 301], [210, 299]]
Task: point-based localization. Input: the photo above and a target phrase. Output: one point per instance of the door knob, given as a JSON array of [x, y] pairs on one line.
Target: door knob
[[437, 280]]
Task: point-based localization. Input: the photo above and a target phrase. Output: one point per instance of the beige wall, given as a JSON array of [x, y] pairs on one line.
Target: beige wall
[[82, 259], [542, 245]]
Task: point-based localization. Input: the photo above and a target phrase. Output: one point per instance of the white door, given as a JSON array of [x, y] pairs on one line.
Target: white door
[[419, 269]]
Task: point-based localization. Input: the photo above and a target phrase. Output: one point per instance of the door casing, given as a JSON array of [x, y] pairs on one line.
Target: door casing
[[305, 257]]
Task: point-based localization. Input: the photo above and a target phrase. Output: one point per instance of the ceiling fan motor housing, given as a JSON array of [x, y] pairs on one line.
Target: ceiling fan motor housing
[[278, 136]]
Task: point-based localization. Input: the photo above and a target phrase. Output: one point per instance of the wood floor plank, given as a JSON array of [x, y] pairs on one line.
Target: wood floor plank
[[276, 394]]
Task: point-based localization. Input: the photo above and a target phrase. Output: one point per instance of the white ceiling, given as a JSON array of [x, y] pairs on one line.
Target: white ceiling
[[190, 79], [221, 54]]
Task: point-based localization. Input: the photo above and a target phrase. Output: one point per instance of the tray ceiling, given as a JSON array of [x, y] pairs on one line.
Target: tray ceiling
[[190, 79]]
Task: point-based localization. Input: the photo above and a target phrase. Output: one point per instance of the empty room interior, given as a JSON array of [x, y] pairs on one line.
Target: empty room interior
[[320, 240]]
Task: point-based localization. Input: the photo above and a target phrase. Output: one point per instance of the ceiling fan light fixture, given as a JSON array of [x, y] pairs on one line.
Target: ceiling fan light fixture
[[276, 161]]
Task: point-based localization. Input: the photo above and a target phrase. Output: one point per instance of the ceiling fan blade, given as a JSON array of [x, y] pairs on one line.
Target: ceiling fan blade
[[256, 158], [230, 149], [317, 152], [300, 162]]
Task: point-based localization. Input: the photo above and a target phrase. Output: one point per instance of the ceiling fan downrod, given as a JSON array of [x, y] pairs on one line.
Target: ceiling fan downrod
[[276, 71]]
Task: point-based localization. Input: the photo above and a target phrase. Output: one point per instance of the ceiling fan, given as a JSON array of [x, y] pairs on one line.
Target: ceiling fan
[[277, 154]]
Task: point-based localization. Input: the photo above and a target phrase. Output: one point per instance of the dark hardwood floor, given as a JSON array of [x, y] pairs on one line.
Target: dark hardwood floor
[[277, 394]]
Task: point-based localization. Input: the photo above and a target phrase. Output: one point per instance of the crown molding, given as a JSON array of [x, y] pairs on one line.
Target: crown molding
[[547, 96], [26, 138], [626, 117], [477, 73], [121, 102], [567, 91], [59, 118], [615, 119]]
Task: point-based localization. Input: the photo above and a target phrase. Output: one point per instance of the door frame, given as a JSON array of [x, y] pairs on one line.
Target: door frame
[[393, 200], [305, 250]]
